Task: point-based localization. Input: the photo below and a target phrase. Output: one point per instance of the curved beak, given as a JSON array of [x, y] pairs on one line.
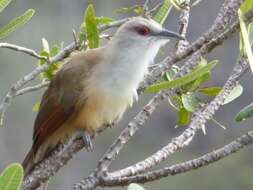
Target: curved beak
[[169, 34]]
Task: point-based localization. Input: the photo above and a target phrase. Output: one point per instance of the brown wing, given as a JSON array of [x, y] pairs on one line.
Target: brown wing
[[51, 116], [58, 102]]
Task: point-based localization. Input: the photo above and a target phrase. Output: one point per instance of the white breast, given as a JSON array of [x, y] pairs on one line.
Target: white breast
[[117, 80]]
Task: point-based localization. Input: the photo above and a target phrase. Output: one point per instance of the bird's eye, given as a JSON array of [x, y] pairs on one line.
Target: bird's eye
[[142, 30]]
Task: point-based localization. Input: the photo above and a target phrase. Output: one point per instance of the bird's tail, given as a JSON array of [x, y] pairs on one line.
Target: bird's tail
[[31, 160], [28, 162]]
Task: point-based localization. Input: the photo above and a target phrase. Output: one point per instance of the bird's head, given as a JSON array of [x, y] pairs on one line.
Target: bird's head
[[143, 33]]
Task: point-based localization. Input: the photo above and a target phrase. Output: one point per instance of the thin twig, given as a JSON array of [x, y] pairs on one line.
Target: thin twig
[[23, 50], [31, 88]]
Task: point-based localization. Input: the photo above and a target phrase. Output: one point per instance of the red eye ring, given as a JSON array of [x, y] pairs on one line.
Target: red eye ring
[[142, 30]]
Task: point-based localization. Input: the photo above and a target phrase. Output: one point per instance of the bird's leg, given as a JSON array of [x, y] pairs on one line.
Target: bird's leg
[[86, 139]]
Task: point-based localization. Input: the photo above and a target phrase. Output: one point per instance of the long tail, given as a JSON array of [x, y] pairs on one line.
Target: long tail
[[29, 163]]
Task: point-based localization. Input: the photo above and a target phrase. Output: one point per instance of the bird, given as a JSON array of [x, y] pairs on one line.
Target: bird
[[93, 88]]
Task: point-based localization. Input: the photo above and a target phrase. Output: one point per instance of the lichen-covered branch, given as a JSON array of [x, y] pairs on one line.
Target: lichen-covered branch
[[205, 160], [23, 50], [31, 88]]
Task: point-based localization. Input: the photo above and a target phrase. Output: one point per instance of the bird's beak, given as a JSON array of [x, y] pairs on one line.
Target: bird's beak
[[169, 34]]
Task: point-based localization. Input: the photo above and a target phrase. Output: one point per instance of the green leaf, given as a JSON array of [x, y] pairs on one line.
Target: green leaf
[[11, 177], [45, 45], [235, 93], [54, 50], [183, 117], [171, 105], [168, 76], [250, 32], [246, 6], [245, 113], [190, 102], [47, 52], [4, 4], [177, 3], [43, 53], [196, 73], [92, 34], [163, 12], [192, 86], [36, 107], [49, 73], [178, 100], [245, 39], [210, 91], [138, 9], [16, 23], [134, 186], [103, 20]]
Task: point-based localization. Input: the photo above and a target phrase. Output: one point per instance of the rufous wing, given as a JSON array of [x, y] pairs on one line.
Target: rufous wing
[[59, 101]]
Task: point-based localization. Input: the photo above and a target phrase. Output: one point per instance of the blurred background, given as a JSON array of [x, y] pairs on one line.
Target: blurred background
[[55, 20]]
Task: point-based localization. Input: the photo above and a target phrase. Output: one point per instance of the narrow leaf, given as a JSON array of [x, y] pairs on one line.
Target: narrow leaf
[[245, 38], [176, 4], [11, 177], [196, 73], [92, 34], [54, 50], [183, 117], [45, 45], [250, 32], [103, 20], [190, 102], [36, 107], [178, 100], [163, 12], [245, 113], [16, 23], [235, 93], [210, 91], [246, 6], [192, 86], [49, 73], [138, 9], [4, 4]]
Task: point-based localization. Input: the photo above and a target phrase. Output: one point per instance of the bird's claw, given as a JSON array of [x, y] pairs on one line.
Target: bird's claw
[[87, 141]]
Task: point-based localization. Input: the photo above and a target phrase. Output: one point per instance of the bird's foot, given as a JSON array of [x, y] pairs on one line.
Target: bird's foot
[[87, 140]]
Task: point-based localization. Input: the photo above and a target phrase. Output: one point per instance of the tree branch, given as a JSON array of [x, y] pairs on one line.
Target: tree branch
[[205, 160], [31, 88], [23, 50]]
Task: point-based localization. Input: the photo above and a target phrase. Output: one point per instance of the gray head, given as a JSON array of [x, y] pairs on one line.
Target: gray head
[[144, 32]]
